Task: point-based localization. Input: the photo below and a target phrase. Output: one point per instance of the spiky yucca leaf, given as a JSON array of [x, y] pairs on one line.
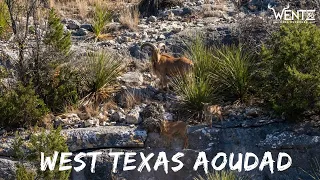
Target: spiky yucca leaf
[[101, 73], [101, 17], [232, 70], [193, 90]]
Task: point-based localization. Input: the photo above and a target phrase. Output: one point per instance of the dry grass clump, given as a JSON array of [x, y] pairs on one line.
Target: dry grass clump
[[130, 18], [81, 8], [132, 98], [214, 11]]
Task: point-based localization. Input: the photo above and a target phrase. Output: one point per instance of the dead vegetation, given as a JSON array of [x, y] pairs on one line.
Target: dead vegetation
[[129, 18]]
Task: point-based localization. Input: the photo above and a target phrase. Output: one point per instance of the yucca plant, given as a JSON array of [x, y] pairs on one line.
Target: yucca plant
[[101, 73], [232, 70], [202, 57], [101, 17], [196, 88], [220, 175], [315, 170], [194, 91]]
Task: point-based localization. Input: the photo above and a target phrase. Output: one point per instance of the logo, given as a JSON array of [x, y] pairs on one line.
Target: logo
[[294, 16]]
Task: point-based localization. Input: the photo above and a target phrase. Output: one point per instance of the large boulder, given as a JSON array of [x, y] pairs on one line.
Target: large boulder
[[133, 117], [104, 137], [132, 78], [152, 7], [7, 169]]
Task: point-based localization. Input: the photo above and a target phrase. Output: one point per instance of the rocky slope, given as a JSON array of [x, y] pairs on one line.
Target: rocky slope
[[134, 128]]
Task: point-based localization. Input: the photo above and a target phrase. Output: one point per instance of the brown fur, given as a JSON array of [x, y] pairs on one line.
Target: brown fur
[[166, 65], [211, 110], [174, 129]]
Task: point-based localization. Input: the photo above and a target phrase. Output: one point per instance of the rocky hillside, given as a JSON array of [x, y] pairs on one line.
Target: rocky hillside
[[130, 122]]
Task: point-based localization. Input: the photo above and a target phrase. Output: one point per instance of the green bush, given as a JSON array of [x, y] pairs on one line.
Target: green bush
[[55, 36], [46, 142], [21, 107], [291, 69], [63, 89], [232, 71], [4, 18], [23, 174], [58, 83]]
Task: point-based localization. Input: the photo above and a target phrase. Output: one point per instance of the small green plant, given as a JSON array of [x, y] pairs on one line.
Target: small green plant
[[55, 36], [232, 70], [21, 107], [101, 17], [291, 69], [4, 18], [46, 142], [220, 175]]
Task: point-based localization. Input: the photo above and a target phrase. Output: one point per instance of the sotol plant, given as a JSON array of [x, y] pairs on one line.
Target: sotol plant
[[196, 88], [101, 17], [101, 72], [232, 70]]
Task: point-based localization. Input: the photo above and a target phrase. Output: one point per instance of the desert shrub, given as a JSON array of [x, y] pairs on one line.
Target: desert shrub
[[3, 72], [21, 107], [55, 36], [101, 17], [231, 72], [194, 91], [196, 88], [101, 72], [291, 69], [63, 89], [220, 175], [219, 73], [46, 142], [4, 18], [57, 83], [23, 174]]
